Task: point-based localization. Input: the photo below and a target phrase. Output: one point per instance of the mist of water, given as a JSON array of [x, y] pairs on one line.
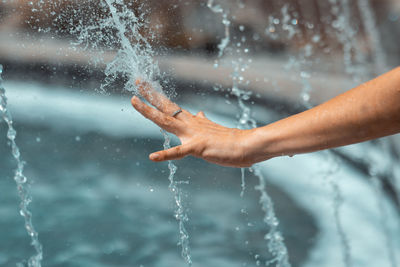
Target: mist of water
[[121, 31], [133, 60]]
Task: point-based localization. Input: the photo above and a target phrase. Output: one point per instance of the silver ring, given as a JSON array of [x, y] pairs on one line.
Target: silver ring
[[177, 112]]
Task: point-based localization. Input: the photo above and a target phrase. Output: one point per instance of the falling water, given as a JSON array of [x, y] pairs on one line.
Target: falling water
[[299, 64], [134, 59], [353, 58], [377, 172], [274, 237], [275, 240], [380, 65], [337, 204], [243, 184], [122, 29], [368, 19], [217, 9], [180, 214], [377, 184], [21, 181], [345, 30]]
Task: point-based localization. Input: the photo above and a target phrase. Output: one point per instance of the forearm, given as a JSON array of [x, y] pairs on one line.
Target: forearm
[[366, 112]]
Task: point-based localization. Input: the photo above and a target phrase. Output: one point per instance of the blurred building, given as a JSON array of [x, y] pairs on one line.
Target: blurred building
[[189, 24]]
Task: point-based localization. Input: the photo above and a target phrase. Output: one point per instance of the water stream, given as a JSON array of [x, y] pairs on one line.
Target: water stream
[[21, 180], [274, 238], [122, 31], [134, 59]]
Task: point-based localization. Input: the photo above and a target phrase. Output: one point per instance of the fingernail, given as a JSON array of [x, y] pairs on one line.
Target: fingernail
[[154, 156], [135, 100]]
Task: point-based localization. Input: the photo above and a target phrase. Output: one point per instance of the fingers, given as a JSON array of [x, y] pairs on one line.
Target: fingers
[[177, 152], [157, 99], [168, 123]]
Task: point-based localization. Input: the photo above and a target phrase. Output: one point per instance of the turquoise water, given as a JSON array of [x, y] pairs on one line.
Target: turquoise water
[[98, 201]]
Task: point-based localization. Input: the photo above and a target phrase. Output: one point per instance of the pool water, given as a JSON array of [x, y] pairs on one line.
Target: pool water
[[98, 200]]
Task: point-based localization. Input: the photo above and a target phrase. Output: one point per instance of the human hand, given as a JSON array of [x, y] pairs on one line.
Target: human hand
[[199, 136]]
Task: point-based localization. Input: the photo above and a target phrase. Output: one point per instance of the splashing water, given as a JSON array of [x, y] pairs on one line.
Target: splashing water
[[122, 29], [217, 9], [368, 19], [353, 58], [243, 184], [275, 240], [299, 63], [21, 180], [337, 204], [180, 214], [374, 173], [274, 237], [133, 60]]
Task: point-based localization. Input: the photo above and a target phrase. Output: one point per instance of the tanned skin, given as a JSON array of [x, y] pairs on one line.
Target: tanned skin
[[369, 111]]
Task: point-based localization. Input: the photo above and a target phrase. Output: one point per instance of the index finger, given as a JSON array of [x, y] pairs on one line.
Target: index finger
[[158, 99], [166, 122]]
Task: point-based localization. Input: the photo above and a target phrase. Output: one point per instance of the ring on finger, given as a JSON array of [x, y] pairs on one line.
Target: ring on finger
[[176, 112]]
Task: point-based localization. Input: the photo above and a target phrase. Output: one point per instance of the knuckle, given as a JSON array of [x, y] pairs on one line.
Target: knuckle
[[178, 151], [167, 121]]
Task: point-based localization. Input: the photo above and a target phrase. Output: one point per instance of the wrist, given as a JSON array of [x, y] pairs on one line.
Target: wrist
[[260, 144]]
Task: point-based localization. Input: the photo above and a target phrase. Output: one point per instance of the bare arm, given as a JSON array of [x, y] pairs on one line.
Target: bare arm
[[369, 111]]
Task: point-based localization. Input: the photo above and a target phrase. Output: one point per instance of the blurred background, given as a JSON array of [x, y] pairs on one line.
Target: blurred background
[[98, 201]]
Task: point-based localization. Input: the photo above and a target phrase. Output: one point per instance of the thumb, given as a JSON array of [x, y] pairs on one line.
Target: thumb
[[177, 152]]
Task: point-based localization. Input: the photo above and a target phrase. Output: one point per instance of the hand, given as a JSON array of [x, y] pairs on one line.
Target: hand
[[199, 136]]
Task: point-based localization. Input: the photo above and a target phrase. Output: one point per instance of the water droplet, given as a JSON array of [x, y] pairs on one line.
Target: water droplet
[[316, 38], [20, 179], [271, 29], [38, 139], [241, 28], [22, 213], [246, 97], [305, 75], [256, 37], [11, 134], [77, 138], [306, 97]]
